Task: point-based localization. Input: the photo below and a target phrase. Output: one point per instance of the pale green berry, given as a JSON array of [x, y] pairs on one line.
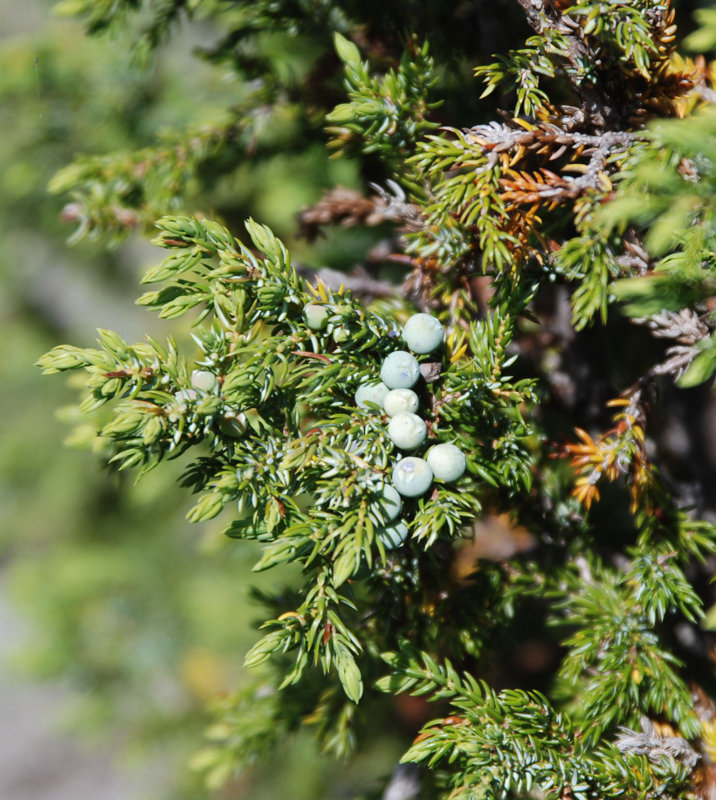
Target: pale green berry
[[400, 370], [398, 400], [203, 380], [394, 535], [412, 476], [316, 316], [447, 461], [389, 504], [371, 393], [341, 334], [407, 431], [423, 333]]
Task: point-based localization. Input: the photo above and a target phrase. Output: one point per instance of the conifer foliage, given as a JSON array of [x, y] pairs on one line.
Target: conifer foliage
[[553, 236]]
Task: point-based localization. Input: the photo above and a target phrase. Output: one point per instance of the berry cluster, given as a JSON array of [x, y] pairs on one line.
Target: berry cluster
[[412, 475]]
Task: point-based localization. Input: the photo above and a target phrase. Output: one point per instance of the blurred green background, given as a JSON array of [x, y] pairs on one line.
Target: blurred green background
[[128, 620]]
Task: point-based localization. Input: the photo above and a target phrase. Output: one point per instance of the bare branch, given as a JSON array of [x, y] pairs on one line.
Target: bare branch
[[349, 208], [653, 746], [687, 328]]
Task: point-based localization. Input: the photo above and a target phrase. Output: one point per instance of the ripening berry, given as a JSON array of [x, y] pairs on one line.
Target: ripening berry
[[400, 370], [233, 425], [398, 400], [394, 535], [446, 461], [203, 380], [412, 476], [316, 316], [371, 393], [407, 431], [423, 333], [389, 505]]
